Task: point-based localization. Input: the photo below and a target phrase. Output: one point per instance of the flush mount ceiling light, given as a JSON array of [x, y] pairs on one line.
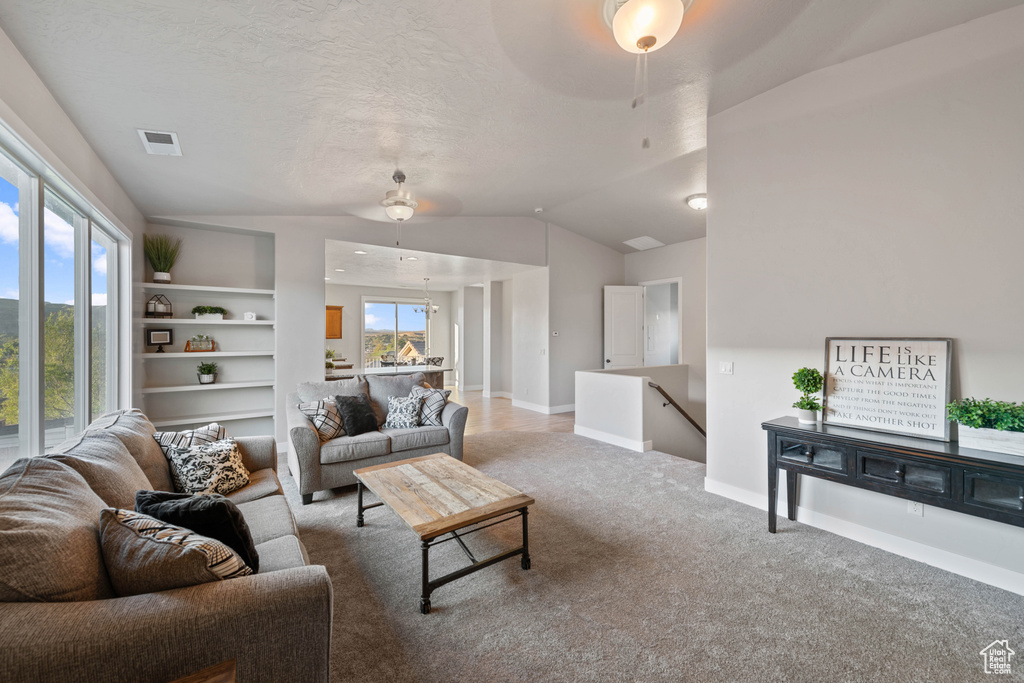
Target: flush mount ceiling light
[[399, 204], [697, 202], [640, 27], [412, 258], [360, 252]]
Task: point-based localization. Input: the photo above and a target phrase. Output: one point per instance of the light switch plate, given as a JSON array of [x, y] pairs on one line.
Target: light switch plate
[[725, 367]]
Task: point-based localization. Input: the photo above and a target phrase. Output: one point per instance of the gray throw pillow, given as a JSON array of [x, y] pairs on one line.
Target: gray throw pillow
[[434, 401], [209, 468], [145, 555], [315, 391], [383, 387], [403, 412]]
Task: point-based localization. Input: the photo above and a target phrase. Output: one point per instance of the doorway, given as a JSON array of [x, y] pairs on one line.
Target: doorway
[[662, 329]]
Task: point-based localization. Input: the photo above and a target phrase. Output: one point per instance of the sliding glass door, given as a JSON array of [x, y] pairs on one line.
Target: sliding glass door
[[394, 333]]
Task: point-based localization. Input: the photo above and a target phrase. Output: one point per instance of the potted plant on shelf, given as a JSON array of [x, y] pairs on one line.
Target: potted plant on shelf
[[209, 312], [207, 373], [989, 425], [329, 361], [808, 382], [162, 252]]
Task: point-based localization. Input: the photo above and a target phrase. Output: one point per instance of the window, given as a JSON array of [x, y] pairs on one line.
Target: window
[[394, 333], [58, 322]]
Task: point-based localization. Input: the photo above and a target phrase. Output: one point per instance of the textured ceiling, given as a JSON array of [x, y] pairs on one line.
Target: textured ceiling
[[491, 109]]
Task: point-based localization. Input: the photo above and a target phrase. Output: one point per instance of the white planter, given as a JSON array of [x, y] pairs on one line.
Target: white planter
[[991, 440], [162, 278], [207, 379], [807, 417], [209, 316]]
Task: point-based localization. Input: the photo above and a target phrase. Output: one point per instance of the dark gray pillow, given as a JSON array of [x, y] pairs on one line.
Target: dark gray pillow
[[213, 516], [357, 414]]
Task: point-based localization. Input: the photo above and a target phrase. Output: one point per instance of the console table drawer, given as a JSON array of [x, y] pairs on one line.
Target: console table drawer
[[902, 474], [994, 492], [812, 454]]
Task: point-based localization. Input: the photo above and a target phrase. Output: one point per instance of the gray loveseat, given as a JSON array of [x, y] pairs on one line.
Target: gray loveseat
[[59, 619], [319, 466]]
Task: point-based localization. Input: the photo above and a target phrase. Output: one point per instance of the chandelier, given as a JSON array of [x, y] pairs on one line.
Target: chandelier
[[428, 307]]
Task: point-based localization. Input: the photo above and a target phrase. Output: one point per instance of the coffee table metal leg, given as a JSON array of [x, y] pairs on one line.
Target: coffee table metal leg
[[359, 515], [425, 596], [525, 560]]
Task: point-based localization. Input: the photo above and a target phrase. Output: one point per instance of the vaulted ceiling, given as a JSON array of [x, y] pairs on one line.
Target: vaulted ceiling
[[491, 108]]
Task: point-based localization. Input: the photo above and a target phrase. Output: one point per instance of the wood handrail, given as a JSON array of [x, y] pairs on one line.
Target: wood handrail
[[672, 402]]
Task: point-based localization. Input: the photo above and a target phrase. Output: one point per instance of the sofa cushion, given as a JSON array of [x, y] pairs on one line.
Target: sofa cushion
[[208, 468], [420, 437], [285, 552], [262, 483], [211, 515], [136, 433], [145, 555], [106, 465], [357, 415], [344, 448], [383, 386], [268, 518], [49, 540], [324, 416], [403, 412], [434, 401], [315, 391]]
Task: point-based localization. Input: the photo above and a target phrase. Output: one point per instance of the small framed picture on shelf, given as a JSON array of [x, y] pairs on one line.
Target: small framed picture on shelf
[[158, 338]]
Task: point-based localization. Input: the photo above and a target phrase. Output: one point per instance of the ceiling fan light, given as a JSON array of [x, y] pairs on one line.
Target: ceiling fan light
[[697, 202], [399, 204], [399, 212], [646, 25]]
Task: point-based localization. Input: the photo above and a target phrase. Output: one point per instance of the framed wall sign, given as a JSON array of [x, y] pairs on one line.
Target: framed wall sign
[[888, 384]]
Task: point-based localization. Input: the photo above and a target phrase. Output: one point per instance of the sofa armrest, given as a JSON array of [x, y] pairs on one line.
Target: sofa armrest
[[304, 448], [454, 418], [258, 452], [277, 626]]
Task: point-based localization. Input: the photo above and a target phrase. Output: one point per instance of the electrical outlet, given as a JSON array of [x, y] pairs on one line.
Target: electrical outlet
[[725, 367], [915, 508]]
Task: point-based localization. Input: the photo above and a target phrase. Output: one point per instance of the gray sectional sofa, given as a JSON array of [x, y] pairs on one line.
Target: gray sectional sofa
[[319, 466], [59, 619]]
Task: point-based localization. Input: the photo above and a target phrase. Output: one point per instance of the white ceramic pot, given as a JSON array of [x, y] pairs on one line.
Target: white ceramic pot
[[991, 440], [207, 379], [162, 278], [807, 417], [209, 316]]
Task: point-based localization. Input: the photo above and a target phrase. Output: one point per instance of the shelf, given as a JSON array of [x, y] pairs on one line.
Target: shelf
[[201, 354], [154, 287], [207, 387], [193, 321], [213, 417]]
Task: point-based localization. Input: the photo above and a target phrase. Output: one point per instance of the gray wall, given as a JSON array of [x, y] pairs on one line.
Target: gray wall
[[878, 197], [530, 338], [472, 346]]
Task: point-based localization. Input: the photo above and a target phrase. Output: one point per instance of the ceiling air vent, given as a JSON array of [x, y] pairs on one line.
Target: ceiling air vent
[[160, 142], [642, 243]]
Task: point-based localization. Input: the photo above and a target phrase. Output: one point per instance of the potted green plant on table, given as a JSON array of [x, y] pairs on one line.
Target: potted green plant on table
[[808, 381], [989, 425], [162, 252], [207, 373], [329, 361], [209, 312]]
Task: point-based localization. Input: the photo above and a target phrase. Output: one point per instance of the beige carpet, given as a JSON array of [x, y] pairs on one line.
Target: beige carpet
[[640, 575]]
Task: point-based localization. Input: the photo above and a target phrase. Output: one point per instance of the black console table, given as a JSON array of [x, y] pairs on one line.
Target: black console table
[[979, 483]]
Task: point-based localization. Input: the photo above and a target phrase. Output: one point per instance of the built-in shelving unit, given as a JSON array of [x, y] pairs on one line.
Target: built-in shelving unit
[[167, 388]]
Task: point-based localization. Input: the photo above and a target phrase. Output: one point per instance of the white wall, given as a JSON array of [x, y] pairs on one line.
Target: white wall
[[351, 298], [530, 339], [506, 339], [688, 261], [494, 337], [579, 269], [878, 197], [661, 324], [471, 373]]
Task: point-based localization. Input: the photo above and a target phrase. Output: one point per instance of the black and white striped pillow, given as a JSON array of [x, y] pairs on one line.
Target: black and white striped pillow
[[325, 418], [434, 401]]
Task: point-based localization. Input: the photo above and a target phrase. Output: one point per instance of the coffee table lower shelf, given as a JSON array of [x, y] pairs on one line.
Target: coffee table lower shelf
[[430, 495]]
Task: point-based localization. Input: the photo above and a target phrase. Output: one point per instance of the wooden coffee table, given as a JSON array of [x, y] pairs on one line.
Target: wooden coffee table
[[437, 495]]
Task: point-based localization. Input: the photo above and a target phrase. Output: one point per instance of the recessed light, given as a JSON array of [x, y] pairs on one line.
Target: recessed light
[[339, 270], [326, 278], [360, 252], [697, 202], [412, 258]]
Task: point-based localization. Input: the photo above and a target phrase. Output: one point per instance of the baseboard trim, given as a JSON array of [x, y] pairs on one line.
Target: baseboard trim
[[936, 557], [613, 439], [567, 408]]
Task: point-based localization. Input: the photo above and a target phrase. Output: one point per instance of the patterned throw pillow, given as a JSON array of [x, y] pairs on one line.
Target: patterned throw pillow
[[208, 468], [403, 412], [434, 401], [145, 555], [193, 437], [325, 417]]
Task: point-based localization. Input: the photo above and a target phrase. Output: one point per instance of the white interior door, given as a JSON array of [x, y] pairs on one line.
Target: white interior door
[[623, 327]]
